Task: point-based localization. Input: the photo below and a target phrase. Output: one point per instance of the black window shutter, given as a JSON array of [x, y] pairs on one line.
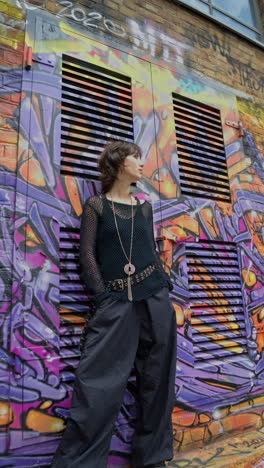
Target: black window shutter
[[73, 302], [201, 151], [216, 301], [96, 108]]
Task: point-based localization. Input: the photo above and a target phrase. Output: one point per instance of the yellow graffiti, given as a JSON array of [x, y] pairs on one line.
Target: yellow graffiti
[[31, 238], [249, 278], [6, 414], [40, 421], [31, 171], [196, 428], [73, 192]]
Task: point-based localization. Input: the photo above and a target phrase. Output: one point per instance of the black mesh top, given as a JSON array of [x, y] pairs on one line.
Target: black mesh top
[[101, 256]]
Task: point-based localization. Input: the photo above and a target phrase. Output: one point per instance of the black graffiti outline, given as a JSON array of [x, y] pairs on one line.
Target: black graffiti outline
[[179, 463]]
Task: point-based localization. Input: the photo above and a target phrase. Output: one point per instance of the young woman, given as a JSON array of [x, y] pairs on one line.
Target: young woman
[[133, 324]]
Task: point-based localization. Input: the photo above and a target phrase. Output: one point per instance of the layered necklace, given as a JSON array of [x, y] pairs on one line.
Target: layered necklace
[[129, 268]]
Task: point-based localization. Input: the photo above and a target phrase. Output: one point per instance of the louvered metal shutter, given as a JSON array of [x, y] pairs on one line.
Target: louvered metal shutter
[[73, 301], [201, 151], [217, 309], [96, 108]]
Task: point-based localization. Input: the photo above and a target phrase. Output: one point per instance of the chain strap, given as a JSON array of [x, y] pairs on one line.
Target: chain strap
[[132, 231], [129, 268]]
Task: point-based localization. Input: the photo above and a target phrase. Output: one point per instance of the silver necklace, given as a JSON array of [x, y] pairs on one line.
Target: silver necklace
[[129, 268]]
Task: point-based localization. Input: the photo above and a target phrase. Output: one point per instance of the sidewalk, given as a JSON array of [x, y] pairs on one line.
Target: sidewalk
[[245, 450]]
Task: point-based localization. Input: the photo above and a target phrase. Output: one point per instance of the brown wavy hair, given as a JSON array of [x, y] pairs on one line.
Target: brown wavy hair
[[112, 158]]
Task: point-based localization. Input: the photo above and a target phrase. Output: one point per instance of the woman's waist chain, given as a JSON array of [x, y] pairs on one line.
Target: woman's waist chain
[[121, 283]]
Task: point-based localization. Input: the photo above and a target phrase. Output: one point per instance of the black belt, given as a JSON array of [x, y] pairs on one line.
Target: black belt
[[121, 284]]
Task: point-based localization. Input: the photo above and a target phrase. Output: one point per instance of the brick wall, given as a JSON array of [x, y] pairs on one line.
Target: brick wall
[[185, 36], [171, 33]]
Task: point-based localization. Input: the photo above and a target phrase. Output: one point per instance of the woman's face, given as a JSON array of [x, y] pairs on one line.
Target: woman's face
[[132, 167]]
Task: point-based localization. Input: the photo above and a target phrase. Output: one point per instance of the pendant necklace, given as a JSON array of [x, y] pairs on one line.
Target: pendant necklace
[[129, 268]]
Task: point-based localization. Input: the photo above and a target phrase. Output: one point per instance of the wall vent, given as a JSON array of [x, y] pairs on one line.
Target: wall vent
[[96, 108], [216, 301], [201, 151], [73, 301]]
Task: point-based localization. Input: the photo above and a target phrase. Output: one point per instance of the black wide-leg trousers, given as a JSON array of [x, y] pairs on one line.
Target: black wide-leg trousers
[[120, 335]]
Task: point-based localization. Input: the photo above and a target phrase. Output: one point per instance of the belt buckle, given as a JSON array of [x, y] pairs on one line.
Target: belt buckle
[[120, 283]]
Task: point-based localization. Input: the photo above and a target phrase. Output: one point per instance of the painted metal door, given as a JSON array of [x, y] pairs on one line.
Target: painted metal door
[[77, 95], [199, 158]]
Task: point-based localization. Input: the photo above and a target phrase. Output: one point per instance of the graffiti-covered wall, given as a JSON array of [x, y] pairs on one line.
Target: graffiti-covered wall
[[211, 246]]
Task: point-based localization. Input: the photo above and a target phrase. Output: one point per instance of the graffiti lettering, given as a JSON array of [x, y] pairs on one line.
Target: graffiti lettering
[[152, 40], [92, 19], [144, 37], [62, 12], [156, 43], [248, 76], [207, 41], [173, 46], [248, 444]]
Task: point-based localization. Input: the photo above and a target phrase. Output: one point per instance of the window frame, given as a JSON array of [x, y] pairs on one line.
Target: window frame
[[256, 12]]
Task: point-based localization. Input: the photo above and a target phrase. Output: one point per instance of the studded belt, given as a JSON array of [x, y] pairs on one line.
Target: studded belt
[[121, 284]]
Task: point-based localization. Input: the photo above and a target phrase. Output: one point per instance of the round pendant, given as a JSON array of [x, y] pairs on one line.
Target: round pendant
[[129, 269]]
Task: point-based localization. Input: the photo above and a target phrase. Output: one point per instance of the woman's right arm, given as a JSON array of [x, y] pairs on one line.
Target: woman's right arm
[[90, 271]]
